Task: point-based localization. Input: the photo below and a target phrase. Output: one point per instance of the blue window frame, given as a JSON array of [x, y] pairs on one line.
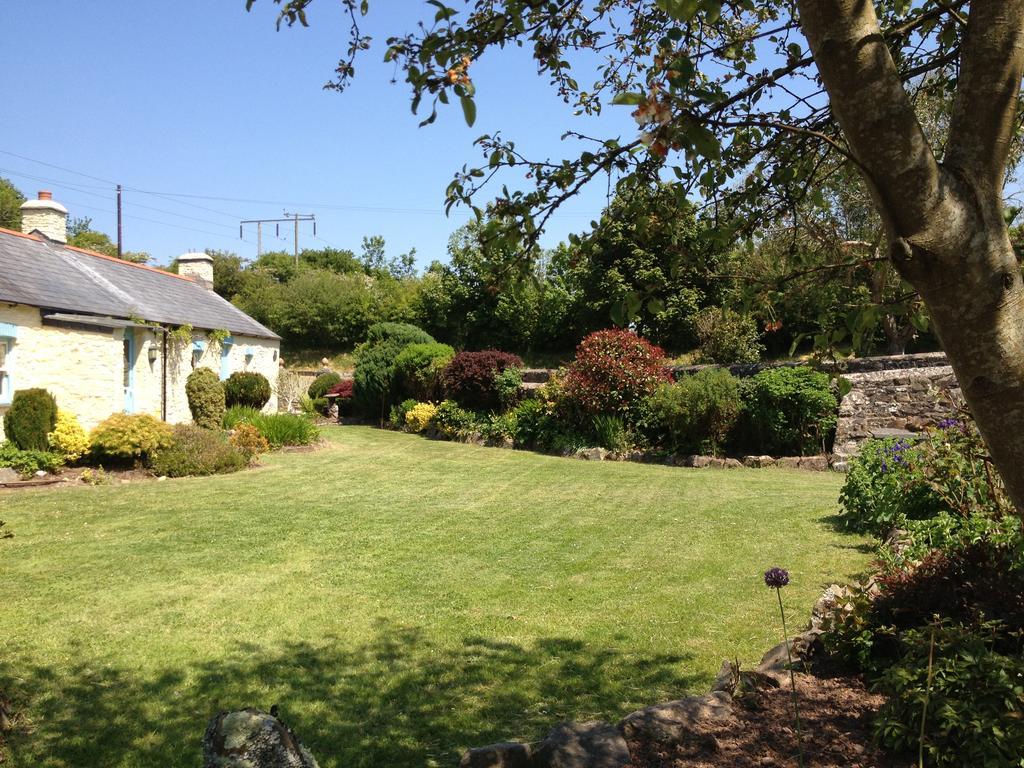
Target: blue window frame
[[225, 354], [5, 377], [8, 333]]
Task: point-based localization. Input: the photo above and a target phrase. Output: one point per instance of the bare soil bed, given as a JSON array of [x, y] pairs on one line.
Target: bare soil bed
[[835, 715]]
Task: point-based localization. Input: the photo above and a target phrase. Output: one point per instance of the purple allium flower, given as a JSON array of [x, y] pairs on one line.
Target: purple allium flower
[[776, 578]]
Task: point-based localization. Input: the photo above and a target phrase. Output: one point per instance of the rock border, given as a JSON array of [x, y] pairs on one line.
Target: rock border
[[821, 462], [251, 738]]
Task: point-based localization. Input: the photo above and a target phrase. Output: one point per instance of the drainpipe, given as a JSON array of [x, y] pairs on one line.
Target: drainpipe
[[163, 382]]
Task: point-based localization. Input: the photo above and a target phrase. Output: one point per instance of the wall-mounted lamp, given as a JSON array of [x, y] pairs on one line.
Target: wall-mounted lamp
[[153, 352]]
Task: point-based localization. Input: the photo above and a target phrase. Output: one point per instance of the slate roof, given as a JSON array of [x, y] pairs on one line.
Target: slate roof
[[50, 275]]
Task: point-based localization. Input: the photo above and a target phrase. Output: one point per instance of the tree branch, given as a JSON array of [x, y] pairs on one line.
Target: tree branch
[[985, 107], [875, 112]]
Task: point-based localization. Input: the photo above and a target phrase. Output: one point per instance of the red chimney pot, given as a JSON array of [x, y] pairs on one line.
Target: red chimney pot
[[45, 195]]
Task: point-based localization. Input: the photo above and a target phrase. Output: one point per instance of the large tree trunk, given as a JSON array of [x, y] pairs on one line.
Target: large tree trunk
[[944, 221]]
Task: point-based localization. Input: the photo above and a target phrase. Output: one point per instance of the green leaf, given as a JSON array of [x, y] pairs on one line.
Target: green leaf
[[468, 110], [655, 306], [629, 97]]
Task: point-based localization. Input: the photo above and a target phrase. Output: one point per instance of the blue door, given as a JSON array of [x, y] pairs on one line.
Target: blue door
[[129, 371]]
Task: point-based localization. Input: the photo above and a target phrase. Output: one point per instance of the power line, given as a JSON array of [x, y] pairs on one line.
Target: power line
[[83, 191], [171, 197]]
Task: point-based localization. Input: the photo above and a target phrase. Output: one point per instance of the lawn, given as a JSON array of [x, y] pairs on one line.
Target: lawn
[[399, 598]]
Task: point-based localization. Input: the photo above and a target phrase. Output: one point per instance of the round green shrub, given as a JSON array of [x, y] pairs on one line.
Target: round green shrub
[[196, 451], [418, 369], [321, 384], [697, 413], [401, 333], [374, 376], [247, 388], [727, 337], [316, 392], [205, 398], [788, 411], [31, 417], [129, 437]]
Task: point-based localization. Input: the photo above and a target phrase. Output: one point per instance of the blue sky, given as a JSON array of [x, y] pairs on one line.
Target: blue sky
[[199, 97]]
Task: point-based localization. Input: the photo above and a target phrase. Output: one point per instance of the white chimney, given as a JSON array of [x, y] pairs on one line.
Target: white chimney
[[46, 216], [198, 266]]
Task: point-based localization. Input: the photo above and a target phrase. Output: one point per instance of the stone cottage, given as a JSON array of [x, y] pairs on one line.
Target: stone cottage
[[106, 335]]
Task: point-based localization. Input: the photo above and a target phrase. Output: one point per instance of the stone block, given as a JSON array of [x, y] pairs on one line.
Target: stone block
[[757, 462], [582, 745], [814, 463], [506, 755], [789, 462], [670, 722]]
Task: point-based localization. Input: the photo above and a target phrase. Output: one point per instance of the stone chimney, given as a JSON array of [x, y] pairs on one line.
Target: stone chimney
[[198, 266], [45, 215]]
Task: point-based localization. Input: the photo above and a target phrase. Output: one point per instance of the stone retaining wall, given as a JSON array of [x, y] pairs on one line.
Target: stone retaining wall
[[901, 393], [882, 402]]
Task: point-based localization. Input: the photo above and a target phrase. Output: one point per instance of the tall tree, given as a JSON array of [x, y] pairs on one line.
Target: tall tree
[[10, 205], [749, 98]]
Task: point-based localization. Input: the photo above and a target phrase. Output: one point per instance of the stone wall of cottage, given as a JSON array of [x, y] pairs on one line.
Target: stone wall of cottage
[[84, 369]]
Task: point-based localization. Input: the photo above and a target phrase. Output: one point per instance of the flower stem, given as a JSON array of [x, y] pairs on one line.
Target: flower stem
[[792, 681]]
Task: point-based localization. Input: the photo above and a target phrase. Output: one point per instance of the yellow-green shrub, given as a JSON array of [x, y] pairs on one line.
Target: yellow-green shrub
[[248, 441], [68, 438], [418, 418], [129, 437]]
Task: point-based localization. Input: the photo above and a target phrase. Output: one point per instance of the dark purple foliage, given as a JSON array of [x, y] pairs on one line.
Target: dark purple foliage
[[469, 378]]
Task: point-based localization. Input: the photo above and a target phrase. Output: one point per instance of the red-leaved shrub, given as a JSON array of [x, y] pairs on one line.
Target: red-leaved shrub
[[469, 378], [343, 389], [613, 373]]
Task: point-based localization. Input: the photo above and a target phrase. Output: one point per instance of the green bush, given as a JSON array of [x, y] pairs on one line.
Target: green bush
[[788, 411], [27, 463], [402, 334], [885, 487], [238, 414], [727, 337], [374, 388], [197, 451], [697, 413], [453, 421], [322, 383], [398, 412], [941, 488], [418, 369], [205, 398], [282, 429], [538, 426], [30, 418], [247, 388], [975, 700], [611, 434], [508, 385], [127, 437]]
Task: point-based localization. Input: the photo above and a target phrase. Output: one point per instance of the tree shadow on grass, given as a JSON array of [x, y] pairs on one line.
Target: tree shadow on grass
[[398, 700]]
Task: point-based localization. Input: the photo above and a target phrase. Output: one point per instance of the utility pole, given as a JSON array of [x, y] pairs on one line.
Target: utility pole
[[119, 247], [295, 218]]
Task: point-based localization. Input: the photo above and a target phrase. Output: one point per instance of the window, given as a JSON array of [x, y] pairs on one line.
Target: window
[[5, 381]]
